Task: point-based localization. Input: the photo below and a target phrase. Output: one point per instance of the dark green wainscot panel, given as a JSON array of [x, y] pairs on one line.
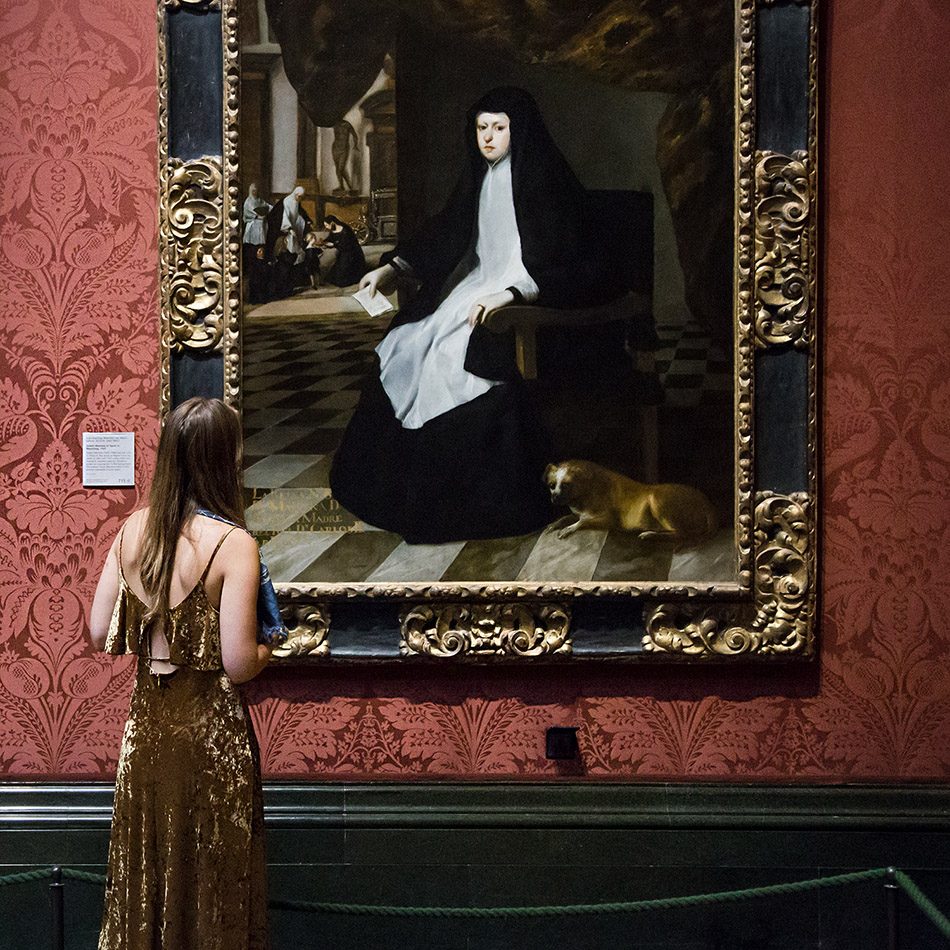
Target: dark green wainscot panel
[[491, 845]]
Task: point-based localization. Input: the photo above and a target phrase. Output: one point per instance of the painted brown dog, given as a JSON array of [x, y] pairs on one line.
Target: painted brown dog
[[608, 500]]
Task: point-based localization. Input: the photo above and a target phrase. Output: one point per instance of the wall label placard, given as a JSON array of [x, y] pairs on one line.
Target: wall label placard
[[108, 459]]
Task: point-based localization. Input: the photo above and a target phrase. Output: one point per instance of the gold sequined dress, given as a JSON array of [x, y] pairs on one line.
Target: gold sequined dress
[[186, 858]]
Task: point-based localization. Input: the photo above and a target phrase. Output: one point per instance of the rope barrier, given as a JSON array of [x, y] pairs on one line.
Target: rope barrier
[[907, 884], [924, 903], [24, 877], [619, 907]]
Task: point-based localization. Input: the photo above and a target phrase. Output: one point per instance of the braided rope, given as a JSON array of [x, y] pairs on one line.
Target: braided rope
[[926, 905], [24, 877], [916, 895], [621, 907]]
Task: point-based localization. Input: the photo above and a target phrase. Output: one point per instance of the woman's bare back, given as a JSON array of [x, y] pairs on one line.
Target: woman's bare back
[[196, 547]]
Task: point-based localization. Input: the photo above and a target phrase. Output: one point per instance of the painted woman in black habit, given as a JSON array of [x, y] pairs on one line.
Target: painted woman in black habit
[[443, 445], [350, 264]]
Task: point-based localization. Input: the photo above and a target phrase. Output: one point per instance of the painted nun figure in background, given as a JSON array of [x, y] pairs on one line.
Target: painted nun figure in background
[[444, 444], [285, 245], [255, 227]]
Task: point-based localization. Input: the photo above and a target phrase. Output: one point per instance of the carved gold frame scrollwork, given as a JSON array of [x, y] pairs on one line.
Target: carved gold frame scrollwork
[[193, 4], [768, 611], [477, 631], [198, 207], [308, 624], [783, 292], [778, 622], [194, 243]]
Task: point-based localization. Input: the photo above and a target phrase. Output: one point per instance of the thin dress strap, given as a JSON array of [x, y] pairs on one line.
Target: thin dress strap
[[217, 547]]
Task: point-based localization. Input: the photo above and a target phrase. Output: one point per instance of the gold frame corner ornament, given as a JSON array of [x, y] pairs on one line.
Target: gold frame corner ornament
[[485, 630], [779, 622]]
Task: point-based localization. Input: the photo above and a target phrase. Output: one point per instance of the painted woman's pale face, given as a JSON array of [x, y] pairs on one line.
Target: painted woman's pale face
[[494, 135]]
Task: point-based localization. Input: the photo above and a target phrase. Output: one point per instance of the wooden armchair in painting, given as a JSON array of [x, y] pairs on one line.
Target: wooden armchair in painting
[[624, 325], [591, 368]]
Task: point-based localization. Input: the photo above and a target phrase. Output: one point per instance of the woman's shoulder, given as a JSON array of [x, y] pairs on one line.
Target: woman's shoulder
[[128, 540], [234, 552], [236, 539], [133, 525], [239, 540]]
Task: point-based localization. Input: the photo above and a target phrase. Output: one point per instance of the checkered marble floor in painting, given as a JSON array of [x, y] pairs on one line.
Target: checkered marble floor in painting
[[301, 380], [692, 369]]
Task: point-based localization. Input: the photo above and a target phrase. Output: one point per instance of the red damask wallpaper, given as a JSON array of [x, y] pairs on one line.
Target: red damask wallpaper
[[78, 292]]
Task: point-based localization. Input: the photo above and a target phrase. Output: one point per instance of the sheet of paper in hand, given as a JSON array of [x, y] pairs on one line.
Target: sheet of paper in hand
[[375, 304]]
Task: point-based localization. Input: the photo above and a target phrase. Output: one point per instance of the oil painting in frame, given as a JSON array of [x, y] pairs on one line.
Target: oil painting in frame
[[633, 474]]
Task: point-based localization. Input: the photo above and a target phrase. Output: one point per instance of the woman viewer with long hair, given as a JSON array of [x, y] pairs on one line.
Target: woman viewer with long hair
[[179, 590]]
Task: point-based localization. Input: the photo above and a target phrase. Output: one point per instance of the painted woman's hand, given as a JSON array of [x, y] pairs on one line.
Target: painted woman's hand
[[487, 304], [379, 280]]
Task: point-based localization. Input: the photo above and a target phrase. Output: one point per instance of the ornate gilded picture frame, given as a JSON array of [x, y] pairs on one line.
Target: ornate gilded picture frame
[[687, 395]]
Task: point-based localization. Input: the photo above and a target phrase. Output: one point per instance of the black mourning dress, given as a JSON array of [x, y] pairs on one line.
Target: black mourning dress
[[350, 264], [474, 470]]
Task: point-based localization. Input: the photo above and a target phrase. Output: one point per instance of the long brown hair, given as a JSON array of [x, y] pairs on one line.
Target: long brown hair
[[198, 466]]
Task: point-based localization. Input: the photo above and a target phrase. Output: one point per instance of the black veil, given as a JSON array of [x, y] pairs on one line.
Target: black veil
[[559, 239]]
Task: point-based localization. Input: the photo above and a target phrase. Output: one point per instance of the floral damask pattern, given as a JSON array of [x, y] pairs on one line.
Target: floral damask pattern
[[390, 737], [79, 341], [78, 291]]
